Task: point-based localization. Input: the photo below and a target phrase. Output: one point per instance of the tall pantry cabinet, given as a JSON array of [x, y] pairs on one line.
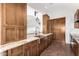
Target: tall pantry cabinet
[[12, 22], [50, 25], [45, 23]]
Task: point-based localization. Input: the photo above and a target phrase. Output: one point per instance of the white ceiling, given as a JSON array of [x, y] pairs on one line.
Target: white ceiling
[[56, 9], [48, 7], [43, 7]]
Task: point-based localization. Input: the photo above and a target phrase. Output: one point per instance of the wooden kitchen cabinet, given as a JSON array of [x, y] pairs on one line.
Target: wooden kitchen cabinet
[[75, 48], [17, 51], [45, 23], [21, 33], [13, 22], [50, 26], [45, 42], [35, 48], [10, 34], [10, 10], [42, 45], [31, 49], [21, 14]]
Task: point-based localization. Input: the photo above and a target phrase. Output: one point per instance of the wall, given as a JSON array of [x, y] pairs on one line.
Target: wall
[[31, 23], [65, 10], [57, 10]]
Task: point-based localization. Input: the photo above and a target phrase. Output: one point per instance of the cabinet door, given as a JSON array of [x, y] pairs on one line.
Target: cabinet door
[[75, 48], [21, 21], [10, 34], [10, 14], [45, 23], [42, 44], [31, 49], [26, 50], [49, 26], [21, 14], [18, 51], [34, 47], [21, 33], [8, 22], [13, 22]]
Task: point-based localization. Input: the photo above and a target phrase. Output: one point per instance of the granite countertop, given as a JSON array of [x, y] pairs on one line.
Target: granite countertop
[[11, 45], [16, 44]]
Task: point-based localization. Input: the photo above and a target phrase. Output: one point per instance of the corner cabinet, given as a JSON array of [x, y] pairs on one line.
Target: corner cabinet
[[13, 22]]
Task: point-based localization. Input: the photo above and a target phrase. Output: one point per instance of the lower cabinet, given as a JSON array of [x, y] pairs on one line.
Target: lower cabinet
[[35, 48], [42, 45], [45, 42], [18, 51], [31, 49], [75, 48]]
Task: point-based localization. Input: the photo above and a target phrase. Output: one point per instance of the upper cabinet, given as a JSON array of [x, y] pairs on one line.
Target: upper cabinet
[[45, 23], [13, 22], [50, 25], [9, 14], [76, 19], [20, 14]]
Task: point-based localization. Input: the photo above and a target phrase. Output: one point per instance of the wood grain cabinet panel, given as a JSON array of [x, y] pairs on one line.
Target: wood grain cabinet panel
[[26, 50], [20, 14], [13, 22], [50, 26], [18, 51], [21, 33], [75, 48], [31, 49], [45, 23], [10, 10], [10, 34], [34, 48], [45, 42]]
